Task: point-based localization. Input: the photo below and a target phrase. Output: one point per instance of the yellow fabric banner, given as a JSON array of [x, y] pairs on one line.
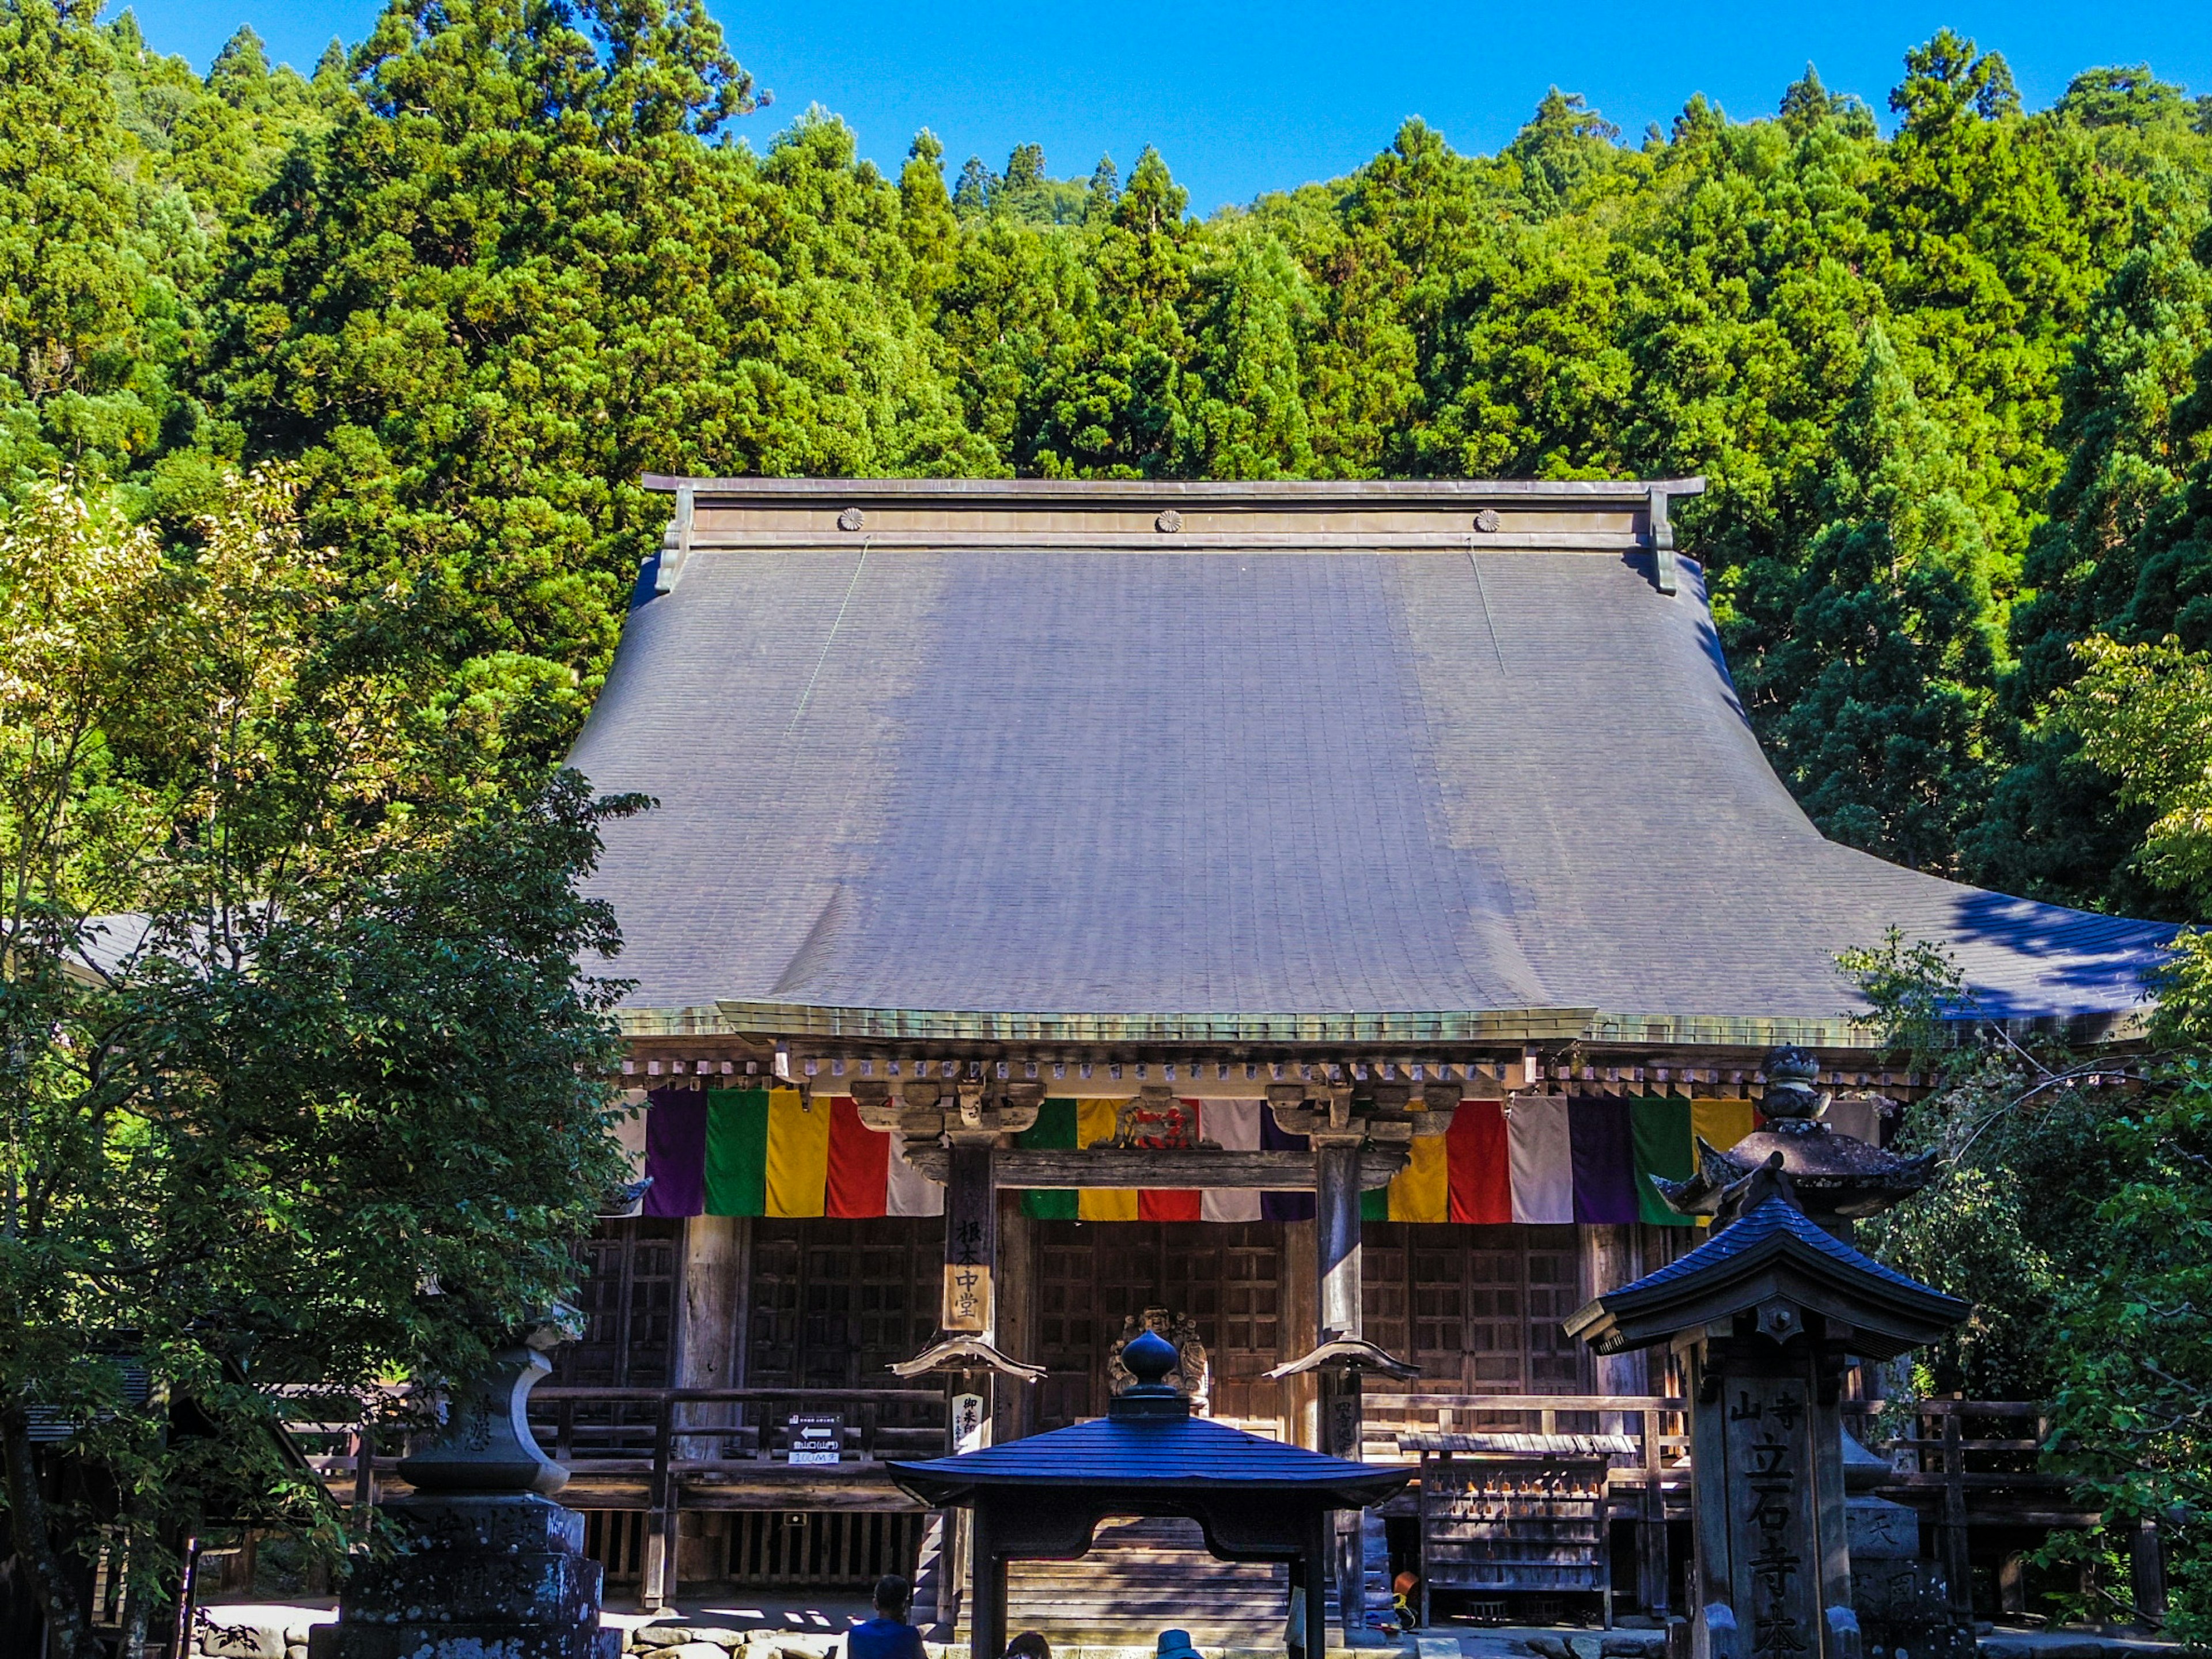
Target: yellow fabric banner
[[1422, 1190], [798, 1154], [1721, 1123], [1096, 1121]]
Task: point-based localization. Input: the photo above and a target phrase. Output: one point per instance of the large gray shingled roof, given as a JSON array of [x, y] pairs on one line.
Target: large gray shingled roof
[[1235, 780]]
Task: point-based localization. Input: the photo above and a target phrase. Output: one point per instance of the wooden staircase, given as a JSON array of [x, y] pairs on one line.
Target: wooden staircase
[[1142, 1577]]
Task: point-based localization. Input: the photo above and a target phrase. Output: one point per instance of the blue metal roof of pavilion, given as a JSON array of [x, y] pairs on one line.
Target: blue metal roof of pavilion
[[1150, 1444], [1318, 763], [1186, 1453]]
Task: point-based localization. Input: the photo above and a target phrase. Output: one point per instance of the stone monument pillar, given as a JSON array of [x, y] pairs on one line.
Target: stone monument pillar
[[1765, 1316], [1836, 1180], [489, 1565]]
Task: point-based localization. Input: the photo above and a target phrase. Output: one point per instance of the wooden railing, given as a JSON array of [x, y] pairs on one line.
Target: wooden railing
[[1960, 1462], [1966, 1463], [669, 1435], [708, 1431], [1655, 1421], [666, 1435]]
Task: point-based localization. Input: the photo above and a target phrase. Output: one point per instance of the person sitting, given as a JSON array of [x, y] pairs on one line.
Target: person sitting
[[888, 1635], [1030, 1644], [1176, 1644]]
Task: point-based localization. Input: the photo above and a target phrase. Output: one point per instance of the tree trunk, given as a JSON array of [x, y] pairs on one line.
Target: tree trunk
[[70, 1637]]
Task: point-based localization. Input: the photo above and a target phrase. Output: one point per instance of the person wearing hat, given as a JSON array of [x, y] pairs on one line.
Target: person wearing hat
[[1405, 1613], [1176, 1644]]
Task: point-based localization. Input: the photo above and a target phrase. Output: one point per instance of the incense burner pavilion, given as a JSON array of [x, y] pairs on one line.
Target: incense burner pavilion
[[1298, 919]]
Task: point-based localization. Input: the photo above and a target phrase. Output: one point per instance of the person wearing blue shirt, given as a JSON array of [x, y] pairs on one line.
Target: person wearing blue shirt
[[888, 1635]]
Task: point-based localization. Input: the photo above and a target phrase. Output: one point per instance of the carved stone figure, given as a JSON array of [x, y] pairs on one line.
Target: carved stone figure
[[1193, 1375]]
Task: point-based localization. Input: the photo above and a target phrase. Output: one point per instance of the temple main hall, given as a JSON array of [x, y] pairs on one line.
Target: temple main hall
[[1299, 919]]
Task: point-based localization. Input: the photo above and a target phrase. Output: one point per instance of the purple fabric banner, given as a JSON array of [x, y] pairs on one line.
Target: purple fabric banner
[[676, 1151], [1283, 1206], [1602, 1135]]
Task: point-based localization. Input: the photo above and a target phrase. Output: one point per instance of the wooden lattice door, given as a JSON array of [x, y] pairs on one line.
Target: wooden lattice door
[[832, 1305], [1477, 1309], [629, 1301], [1068, 1328], [1092, 1276]]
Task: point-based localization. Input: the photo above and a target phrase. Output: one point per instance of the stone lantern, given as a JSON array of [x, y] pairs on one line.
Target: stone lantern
[[1765, 1316], [1838, 1178], [488, 1563]]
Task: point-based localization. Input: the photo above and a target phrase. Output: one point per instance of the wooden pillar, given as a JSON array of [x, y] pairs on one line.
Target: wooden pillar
[[969, 1306], [1714, 1570], [1336, 1248], [658, 1569], [1336, 1240], [1317, 1554], [1301, 1335], [971, 1238], [1016, 1318], [1957, 1563], [711, 1310], [2147, 1575], [1610, 1257]]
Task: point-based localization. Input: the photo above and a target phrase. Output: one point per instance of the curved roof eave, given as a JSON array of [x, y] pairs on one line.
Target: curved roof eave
[[1494, 1027]]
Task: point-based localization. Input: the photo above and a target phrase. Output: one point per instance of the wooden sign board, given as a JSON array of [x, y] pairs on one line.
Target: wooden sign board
[[970, 1241]]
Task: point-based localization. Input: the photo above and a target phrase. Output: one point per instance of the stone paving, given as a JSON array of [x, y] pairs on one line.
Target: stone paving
[[752, 1626]]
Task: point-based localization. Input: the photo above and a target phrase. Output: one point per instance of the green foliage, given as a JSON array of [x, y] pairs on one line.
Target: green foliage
[[292, 1014], [2134, 1410], [2072, 1208], [478, 277], [478, 309], [2143, 716]]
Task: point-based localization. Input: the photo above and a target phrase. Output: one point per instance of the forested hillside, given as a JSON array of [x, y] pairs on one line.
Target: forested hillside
[[1950, 385]]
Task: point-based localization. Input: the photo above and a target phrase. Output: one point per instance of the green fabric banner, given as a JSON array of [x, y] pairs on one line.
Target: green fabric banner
[[1054, 1129], [737, 1152], [1661, 1132]]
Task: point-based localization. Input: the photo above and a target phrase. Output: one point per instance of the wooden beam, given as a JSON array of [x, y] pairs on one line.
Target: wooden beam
[[1035, 1168]]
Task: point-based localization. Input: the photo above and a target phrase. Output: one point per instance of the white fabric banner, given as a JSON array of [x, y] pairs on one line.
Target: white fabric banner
[[1543, 1160], [629, 1131], [906, 1193], [1236, 1125], [1859, 1118]]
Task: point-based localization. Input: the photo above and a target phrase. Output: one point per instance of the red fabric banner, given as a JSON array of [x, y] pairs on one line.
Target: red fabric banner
[[1481, 1175], [859, 1163]]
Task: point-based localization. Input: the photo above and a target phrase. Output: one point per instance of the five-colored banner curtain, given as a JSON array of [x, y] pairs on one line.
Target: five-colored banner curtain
[[1553, 1160]]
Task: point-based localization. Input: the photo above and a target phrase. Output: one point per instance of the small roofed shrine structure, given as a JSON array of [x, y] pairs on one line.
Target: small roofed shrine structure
[[1041, 1498], [1766, 1318], [1304, 916]]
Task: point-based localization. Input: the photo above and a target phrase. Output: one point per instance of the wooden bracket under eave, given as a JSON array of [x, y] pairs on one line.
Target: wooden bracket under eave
[[1346, 1353], [966, 1354]]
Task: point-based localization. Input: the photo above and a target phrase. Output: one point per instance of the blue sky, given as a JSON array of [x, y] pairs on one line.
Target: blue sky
[[1246, 98]]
